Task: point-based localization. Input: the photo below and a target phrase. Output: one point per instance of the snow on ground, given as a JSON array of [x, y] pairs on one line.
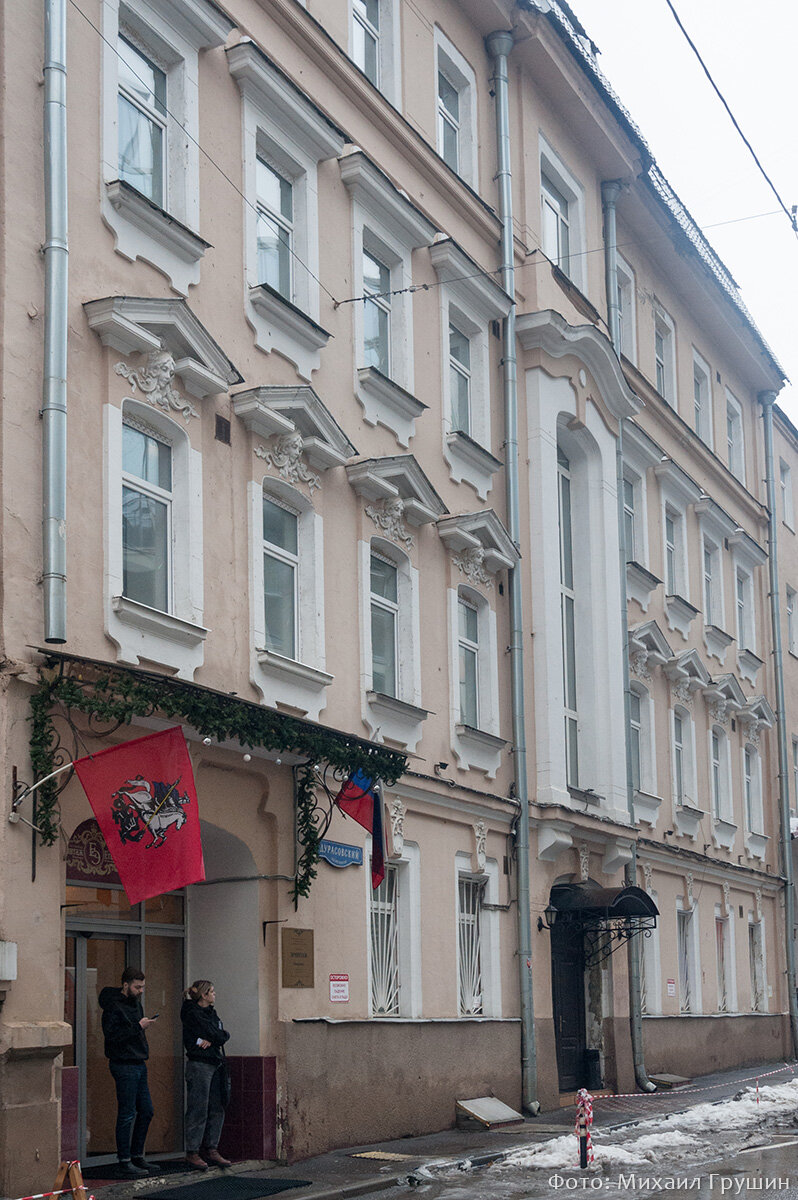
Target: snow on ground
[[678, 1136]]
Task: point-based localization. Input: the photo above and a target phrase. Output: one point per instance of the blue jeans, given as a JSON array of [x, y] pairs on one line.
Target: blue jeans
[[134, 1108]]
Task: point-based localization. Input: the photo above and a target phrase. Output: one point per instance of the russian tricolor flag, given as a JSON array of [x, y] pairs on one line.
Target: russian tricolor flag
[[360, 799]]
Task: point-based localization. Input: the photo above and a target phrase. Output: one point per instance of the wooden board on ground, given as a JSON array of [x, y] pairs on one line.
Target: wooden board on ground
[[669, 1081], [489, 1111]]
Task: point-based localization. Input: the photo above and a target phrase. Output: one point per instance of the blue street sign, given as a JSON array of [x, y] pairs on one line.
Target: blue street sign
[[337, 854]]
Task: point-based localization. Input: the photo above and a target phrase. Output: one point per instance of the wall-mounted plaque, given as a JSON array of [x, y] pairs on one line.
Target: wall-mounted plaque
[[297, 956], [339, 854]]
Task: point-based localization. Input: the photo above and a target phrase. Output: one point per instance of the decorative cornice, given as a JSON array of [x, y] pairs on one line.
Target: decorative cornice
[[372, 188], [454, 267]]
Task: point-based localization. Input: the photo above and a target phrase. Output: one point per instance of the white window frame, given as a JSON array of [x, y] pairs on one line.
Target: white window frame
[[753, 809], [300, 682], [380, 300], [650, 967], [407, 866], [151, 491], [735, 437], [402, 720], [473, 751], [702, 403], [153, 114], [460, 74], [794, 798], [785, 487], [724, 941], [289, 559], [744, 606], [285, 129], [666, 364], [389, 76], [386, 605], [284, 224], [677, 580], [647, 740], [712, 598], [720, 780], [627, 310], [174, 639], [490, 933], [568, 602], [688, 958], [688, 764], [789, 608], [572, 191], [172, 36]]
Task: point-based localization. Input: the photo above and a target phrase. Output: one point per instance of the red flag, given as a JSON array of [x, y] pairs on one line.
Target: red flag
[[361, 801], [143, 796]]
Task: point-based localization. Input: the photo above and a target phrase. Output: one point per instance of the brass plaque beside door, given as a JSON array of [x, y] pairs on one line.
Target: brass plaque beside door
[[297, 958]]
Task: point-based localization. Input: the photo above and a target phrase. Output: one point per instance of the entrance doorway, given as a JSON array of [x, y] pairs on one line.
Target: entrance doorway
[[568, 997], [105, 934]]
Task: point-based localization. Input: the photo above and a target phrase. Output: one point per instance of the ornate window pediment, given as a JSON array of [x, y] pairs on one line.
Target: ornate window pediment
[[648, 647], [291, 413], [687, 674], [375, 192], [756, 716], [397, 478], [481, 544], [144, 325], [713, 519], [724, 697]]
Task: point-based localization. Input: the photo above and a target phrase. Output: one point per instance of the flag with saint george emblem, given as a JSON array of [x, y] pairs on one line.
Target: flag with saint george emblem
[[143, 796], [360, 799]]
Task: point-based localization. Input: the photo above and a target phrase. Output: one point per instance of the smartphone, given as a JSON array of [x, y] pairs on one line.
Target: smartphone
[[154, 1017]]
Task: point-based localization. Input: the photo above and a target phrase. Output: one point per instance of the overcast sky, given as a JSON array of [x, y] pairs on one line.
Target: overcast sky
[[750, 51]]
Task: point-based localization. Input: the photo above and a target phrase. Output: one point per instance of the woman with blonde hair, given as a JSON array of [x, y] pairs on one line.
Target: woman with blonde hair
[[207, 1085]]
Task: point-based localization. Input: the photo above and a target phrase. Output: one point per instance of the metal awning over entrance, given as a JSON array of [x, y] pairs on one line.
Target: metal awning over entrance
[[606, 916]]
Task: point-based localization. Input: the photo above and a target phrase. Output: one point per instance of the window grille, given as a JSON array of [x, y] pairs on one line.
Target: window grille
[[471, 896], [720, 946], [385, 946]]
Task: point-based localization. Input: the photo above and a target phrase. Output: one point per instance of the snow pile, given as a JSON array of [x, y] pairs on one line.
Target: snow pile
[[697, 1127]]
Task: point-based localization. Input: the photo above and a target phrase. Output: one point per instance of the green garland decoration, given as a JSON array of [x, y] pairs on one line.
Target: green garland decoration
[[111, 694]]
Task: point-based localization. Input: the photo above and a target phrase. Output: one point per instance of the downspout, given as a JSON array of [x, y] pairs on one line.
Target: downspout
[[767, 400], [610, 191], [499, 44], [54, 393]]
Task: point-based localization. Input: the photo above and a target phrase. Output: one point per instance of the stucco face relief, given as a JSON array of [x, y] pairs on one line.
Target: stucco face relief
[[387, 515], [471, 564], [155, 383], [286, 458]]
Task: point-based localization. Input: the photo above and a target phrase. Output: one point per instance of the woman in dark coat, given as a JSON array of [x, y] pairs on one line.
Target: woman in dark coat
[[204, 1037]]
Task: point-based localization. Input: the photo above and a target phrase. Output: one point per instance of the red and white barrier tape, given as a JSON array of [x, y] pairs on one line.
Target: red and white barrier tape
[[692, 1090], [63, 1192], [584, 1111]]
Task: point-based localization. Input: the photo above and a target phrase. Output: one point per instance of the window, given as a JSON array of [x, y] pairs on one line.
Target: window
[[683, 758], [642, 736], [469, 663], [142, 123], [720, 774], [665, 356], [366, 42], [649, 964], [460, 379], [702, 399], [146, 517], [280, 569], [376, 314], [627, 316], [470, 894], [275, 199], [752, 790], [791, 630], [721, 938], [785, 484], [285, 137], [448, 122], [743, 591], [150, 131], [794, 805], [555, 227], [568, 603], [384, 944], [629, 527], [684, 930], [734, 437], [756, 963], [635, 720], [713, 605], [455, 83], [675, 582], [384, 625]]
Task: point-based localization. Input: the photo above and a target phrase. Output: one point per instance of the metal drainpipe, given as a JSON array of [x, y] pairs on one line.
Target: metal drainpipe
[[54, 393], [610, 191], [499, 44], [767, 400]]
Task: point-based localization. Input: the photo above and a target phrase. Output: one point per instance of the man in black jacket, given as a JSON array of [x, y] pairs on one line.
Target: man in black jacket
[[124, 1029]]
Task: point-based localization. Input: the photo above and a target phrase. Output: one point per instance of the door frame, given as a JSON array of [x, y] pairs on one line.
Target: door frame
[[557, 939]]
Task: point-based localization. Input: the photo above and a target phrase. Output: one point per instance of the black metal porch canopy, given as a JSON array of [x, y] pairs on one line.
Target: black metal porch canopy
[[607, 916]]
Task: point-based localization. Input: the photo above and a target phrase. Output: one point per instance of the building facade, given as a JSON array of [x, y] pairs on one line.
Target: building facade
[[287, 532]]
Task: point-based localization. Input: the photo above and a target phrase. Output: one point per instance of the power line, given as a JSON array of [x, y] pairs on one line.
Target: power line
[[789, 213]]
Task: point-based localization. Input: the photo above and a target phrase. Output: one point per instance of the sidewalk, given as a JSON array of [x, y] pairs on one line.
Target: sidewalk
[[338, 1175]]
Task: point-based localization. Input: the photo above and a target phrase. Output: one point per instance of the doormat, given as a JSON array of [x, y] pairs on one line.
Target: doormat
[[228, 1187], [110, 1171]]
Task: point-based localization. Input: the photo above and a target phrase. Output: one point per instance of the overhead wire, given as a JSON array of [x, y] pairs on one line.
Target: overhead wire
[[791, 214]]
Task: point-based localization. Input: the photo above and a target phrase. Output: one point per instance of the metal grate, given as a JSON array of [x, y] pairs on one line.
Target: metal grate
[[384, 946], [471, 893]]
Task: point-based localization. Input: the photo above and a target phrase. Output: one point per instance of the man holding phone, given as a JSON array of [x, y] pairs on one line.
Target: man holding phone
[[124, 1029]]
